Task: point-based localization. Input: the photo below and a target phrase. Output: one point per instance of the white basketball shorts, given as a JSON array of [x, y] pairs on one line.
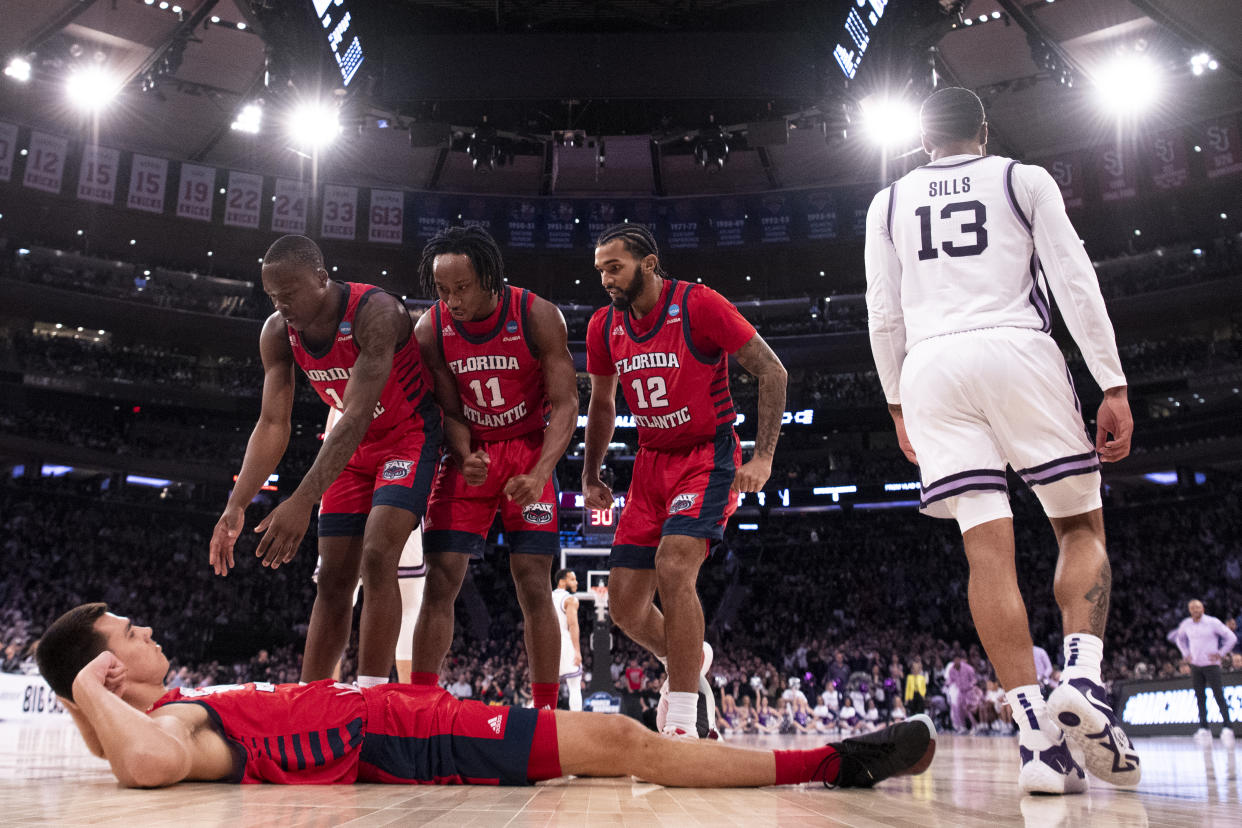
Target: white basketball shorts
[[976, 401]]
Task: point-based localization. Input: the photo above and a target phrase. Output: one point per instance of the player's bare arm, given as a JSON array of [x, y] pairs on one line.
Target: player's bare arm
[[561, 384], [601, 422], [473, 465], [761, 362], [903, 440], [571, 623], [267, 442], [174, 744], [379, 327]]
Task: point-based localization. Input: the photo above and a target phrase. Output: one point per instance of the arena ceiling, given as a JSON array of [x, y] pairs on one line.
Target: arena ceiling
[[563, 82]]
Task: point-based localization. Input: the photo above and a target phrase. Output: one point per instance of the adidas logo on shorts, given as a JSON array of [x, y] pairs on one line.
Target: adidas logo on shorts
[[496, 722]]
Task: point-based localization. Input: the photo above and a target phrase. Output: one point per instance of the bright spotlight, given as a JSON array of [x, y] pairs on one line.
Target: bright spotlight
[[1129, 85], [92, 87], [890, 122], [314, 125], [250, 119], [18, 69]]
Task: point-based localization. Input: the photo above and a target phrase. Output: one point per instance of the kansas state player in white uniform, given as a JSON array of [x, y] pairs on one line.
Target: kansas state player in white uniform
[[571, 651], [960, 322]]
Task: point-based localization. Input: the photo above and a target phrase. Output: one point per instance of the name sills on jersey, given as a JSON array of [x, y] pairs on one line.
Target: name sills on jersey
[[677, 418], [638, 362], [505, 418], [484, 363]]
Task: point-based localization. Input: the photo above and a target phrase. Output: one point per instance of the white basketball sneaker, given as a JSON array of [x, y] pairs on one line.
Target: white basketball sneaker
[[1050, 771], [1227, 738], [1203, 736], [1080, 707]]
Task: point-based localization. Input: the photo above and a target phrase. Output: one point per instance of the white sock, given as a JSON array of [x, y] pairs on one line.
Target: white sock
[[683, 711], [1083, 653], [574, 683], [1030, 712], [371, 681]]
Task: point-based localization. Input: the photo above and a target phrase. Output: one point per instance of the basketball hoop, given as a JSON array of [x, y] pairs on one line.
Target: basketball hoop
[[601, 595]]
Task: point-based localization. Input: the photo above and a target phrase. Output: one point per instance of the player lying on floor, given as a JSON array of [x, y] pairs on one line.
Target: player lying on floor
[[109, 673]]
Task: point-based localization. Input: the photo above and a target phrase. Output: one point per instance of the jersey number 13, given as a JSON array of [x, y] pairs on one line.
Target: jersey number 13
[[979, 215]]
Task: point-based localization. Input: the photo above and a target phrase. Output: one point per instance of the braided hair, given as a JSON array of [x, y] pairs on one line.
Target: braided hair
[[474, 243], [638, 240]]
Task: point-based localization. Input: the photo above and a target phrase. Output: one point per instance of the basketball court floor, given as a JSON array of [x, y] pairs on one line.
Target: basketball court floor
[[48, 778]]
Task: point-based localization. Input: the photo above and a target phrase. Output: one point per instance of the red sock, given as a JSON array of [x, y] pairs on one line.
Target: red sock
[[796, 766], [425, 679], [544, 693]]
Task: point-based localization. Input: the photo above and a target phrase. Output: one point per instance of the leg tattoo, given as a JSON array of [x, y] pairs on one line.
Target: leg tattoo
[[1098, 596]]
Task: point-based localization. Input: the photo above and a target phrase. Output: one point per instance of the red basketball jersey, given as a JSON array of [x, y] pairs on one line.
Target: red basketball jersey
[[679, 396], [406, 398], [499, 377], [290, 734]]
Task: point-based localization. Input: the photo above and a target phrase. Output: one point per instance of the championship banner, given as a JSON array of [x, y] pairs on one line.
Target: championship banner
[[8, 150], [522, 217], [1116, 172], [642, 211], [45, 163], [147, 179], [432, 213], [685, 228], [241, 205], [1066, 170], [775, 218], [340, 212], [1222, 149], [600, 216], [1170, 166], [858, 203], [97, 175], [387, 216], [289, 206], [195, 195], [476, 212], [559, 224], [819, 211], [729, 222]]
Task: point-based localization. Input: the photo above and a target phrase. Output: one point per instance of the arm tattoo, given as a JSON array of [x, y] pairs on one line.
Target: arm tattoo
[[1098, 596], [759, 360]]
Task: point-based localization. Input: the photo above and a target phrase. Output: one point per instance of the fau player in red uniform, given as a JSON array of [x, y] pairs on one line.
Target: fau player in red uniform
[[667, 343], [109, 674], [504, 377], [373, 473]]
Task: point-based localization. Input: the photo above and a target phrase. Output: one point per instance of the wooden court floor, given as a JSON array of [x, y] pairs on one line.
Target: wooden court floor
[[48, 778]]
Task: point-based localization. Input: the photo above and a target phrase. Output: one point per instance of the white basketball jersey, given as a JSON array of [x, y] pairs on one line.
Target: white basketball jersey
[[567, 645], [966, 251]]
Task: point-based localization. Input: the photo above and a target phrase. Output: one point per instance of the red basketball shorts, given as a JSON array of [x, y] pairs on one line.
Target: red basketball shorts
[[683, 491], [459, 515], [394, 470]]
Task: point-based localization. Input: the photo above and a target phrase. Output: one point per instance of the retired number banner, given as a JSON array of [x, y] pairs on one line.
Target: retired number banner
[[8, 150], [340, 212], [45, 164], [97, 175], [241, 207], [387, 216], [147, 178], [289, 207], [197, 192]]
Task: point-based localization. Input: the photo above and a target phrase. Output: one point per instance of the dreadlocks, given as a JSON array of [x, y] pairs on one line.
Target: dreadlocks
[[475, 244], [639, 241]]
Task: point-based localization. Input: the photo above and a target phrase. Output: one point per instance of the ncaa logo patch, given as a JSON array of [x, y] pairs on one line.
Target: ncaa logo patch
[[539, 514], [511, 326], [673, 310], [396, 469], [682, 502], [346, 328]]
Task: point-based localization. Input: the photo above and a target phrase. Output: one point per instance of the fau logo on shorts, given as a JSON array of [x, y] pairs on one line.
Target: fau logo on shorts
[[682, 503], [538, 513], [396, 469]]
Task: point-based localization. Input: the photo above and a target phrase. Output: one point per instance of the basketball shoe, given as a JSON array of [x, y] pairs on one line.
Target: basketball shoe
[[904, 749], [1080, 707], [1050, 771], [706, 725]]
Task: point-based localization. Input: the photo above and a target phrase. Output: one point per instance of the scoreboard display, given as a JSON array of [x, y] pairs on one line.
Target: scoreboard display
[[599, 526], [341, 31]]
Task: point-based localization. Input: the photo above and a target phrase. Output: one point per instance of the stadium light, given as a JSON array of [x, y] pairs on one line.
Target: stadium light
[[92, 87], [889, 121], [18, 69], [1129, 85], [1203, 62], [314, 125], [250, 119]]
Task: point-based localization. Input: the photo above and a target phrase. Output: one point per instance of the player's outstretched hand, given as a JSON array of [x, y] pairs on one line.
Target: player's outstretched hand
[[595, 495], [284, 528], [524, 489], [105, 669], [1114, 420], [474, 468], [228, 528], [753, 475]]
